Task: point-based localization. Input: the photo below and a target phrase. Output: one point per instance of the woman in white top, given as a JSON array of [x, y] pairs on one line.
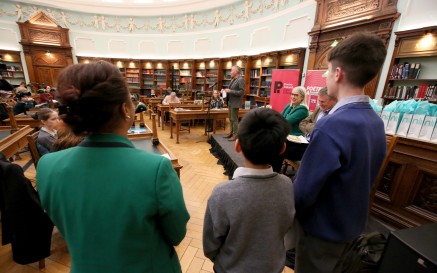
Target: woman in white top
[[47, 134], [171, 99]]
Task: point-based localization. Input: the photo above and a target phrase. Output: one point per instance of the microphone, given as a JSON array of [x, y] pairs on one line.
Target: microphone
[[214, 84]]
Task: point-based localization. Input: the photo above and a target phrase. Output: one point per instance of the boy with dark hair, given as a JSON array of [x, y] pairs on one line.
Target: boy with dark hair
[[247, 217], [347, 148]]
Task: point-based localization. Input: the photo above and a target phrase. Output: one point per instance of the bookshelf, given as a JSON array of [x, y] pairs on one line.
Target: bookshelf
[[148, 74], [255, 73], [268, 63], [14, 69], [227, 64], [133, 73], [200, 73], [186, 75], [413, 69], [211, 74], [160, 75]]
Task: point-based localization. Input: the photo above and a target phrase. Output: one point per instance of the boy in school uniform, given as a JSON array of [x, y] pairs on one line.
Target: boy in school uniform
[[343, 159], [247, 217]]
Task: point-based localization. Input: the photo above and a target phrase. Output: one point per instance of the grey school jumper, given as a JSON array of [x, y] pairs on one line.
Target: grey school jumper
[[245, 224]]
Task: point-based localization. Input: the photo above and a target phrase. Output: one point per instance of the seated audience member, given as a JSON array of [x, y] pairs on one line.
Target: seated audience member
[[294, 113], [295, 150], [296, 110], [171, 99], [48, 133], [240, 232], [216, 101], [325, 104], [47, 95], [24, 99], [139, 105], [115, 215]]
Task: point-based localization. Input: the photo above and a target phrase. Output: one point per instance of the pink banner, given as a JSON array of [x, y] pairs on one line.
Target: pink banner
[[314, 81], [283, 82]]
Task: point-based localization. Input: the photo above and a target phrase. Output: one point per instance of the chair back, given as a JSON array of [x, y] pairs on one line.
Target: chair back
[[391, 143], [31, 139]]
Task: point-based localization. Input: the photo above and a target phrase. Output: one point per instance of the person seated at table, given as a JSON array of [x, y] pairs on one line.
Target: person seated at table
[[294, 113], [47, 135], [216, 101], [24, 99], [171, 99], [325, 104], [114, 214], [47, 95]]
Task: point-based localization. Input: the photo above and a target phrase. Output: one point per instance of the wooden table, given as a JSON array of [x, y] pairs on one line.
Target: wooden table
[[183, 115], [151, 104], [145, 142], [161, 109], [11, 143], [24, 120]]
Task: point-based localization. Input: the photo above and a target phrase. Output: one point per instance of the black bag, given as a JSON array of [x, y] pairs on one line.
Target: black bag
[[364, 253]]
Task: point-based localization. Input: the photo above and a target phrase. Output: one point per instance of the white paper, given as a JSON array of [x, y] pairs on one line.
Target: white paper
[[434, 135], [224, 94], [385, 116], [415, 126], [427, 128], [404, 125], [166, 156], [392, 124]]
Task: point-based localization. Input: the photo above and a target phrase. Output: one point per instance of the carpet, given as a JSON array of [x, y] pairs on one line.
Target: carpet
[[225, 152]]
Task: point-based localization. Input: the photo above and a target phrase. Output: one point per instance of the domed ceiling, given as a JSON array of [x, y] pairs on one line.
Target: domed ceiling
[[134, 7]]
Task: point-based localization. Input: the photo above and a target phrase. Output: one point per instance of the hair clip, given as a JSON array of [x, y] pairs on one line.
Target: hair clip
[[64, 110]]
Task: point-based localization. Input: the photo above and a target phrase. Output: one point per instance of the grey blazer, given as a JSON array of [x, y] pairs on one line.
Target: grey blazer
[[235, 97]]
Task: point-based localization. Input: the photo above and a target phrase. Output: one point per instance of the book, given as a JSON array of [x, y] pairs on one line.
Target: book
[[297, 139]]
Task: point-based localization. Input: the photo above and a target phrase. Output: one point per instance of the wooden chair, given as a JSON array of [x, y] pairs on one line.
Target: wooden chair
[[287, 162], [31, 139], [391, 143]]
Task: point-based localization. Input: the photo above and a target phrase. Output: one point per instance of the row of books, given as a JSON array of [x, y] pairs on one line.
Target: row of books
[[267, 71], [132, 70], [14, 68], [254, 73], [405, 71], [405, 92], [266, 83], [132, 80]]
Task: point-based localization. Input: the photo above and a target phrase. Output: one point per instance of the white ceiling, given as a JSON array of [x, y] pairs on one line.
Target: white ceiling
[[133, 7]]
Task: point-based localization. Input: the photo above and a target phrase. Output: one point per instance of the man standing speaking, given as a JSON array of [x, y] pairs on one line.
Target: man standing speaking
[[234, 98]]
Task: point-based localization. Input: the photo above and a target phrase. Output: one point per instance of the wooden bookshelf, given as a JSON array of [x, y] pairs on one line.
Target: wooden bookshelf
[[413, 68], [14, 68]]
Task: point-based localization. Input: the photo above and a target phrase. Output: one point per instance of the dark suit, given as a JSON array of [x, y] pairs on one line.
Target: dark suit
[[234, 100], [24, 223]]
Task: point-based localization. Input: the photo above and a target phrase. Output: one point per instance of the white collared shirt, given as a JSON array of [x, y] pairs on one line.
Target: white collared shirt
[[243, 171], [349, 100]]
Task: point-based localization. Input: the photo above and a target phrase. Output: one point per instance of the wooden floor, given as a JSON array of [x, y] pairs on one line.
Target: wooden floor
[[199, 175]]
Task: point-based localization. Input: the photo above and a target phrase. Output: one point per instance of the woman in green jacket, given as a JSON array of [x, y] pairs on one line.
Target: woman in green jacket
[[296, 110], [119, 209]]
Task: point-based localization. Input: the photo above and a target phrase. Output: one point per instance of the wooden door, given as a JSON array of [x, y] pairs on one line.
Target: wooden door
[[48, 75]]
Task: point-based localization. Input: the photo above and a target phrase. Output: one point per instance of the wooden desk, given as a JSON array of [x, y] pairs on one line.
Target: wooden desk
[[145, 142], [214, 114], [24, 120], [11, 143], [151, 104], [161, 109]]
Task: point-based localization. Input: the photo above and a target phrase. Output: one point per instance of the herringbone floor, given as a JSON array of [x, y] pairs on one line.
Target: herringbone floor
[[199, 175]]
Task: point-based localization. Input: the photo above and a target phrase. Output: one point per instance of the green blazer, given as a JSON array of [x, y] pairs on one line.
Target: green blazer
[[294, 116], [120, 209]]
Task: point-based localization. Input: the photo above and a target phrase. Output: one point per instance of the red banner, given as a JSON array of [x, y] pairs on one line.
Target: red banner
[[283, 82], [314, 81]]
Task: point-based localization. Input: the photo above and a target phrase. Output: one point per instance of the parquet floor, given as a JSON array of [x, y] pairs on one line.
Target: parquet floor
[[199, 175]]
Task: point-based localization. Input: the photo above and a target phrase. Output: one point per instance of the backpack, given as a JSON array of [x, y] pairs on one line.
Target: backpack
[[364, 253]]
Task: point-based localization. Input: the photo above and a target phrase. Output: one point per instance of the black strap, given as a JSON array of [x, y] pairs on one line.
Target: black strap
[[104, 144]]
